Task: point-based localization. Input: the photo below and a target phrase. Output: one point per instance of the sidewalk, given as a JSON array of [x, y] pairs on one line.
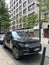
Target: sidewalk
[[44, 41], [5, 59], [47, 49]]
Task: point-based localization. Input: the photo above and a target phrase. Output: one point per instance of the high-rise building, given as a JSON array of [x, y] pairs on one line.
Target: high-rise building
[[19, 8]]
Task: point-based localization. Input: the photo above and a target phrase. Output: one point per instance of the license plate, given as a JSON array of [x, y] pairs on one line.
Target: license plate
[[36, 49]]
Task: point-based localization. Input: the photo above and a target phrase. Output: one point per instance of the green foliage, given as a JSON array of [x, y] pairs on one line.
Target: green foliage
[[29, 20], [5, 24], [44, 4], [47, 4], [23, 19], [47, 18], [4, 15], [38, 5], [43, 10]]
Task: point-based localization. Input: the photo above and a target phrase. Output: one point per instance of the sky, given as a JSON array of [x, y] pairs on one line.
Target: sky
[[7, 1]]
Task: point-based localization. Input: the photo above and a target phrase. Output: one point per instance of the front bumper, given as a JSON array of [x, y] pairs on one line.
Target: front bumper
[[34, 50]]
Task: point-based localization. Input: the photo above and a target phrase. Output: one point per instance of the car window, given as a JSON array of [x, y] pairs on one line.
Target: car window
[[15, 35], [1, 35], [8, 36]]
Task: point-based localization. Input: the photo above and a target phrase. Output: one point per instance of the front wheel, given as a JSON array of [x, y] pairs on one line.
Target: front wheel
[[15, 53]]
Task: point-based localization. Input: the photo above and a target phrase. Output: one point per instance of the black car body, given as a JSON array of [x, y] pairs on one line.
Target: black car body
[[21, 44], [2, 38]]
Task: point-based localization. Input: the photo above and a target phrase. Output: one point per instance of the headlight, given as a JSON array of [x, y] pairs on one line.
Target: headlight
[[26, 45]]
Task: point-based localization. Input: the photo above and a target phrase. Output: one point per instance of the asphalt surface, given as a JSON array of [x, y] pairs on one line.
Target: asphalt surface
[[26, 60]]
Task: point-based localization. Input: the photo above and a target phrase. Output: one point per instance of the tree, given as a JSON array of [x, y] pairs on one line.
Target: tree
[[4, 16], [47, 4], [29, 20], [44, 4]]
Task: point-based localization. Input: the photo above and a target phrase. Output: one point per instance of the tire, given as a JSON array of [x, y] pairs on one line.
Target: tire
[[15, 53]]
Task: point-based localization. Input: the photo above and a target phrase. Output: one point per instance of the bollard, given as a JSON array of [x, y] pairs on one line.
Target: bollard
[[43, 56]]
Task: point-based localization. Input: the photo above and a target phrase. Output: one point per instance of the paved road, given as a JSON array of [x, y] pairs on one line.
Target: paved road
[[7, 59]]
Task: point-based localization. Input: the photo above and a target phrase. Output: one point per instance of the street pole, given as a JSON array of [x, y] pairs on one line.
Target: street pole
[[0, 25], [43, 56], [0, 17], [48, 34], [40, 21]]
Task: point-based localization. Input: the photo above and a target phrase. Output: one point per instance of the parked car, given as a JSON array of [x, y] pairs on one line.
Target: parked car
[[2, 38], [21, 44]]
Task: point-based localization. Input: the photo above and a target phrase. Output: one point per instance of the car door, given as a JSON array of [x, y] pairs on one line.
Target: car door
[[8, 39]]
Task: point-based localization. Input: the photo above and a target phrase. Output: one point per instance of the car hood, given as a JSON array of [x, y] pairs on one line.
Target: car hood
[[27, 40]]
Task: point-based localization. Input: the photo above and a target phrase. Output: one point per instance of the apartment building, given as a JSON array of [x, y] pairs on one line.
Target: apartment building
[[20, 8]]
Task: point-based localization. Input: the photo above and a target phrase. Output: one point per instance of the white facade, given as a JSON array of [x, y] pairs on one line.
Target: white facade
[[19, 8]]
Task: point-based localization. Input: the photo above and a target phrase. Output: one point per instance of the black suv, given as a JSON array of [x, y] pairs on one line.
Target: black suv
[[21, 44]]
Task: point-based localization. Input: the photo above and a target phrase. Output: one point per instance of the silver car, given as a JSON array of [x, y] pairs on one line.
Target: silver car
[[1, 38]]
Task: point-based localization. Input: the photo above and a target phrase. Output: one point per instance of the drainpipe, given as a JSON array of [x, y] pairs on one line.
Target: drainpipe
[[40, 21]]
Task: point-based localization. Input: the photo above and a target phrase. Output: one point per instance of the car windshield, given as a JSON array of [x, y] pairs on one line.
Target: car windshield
[[15, 34], [1, 35], [19, 34], [22, 34]]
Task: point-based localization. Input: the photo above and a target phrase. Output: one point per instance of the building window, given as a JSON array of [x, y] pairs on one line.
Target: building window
[[16, 26], [31, 7], [24, 11], [13, 22], [17, 10], [13, 18], [16, 0], [14, 7], [10, 2], [20, 26], [20, 1], [14, 12], [32, 13], [24, 4], [20, 8], [20, 14], [13, 27], [16, 16], [20, 20], [11, 6], [24, 25], [16, 21], [17, 4], [30, 1]]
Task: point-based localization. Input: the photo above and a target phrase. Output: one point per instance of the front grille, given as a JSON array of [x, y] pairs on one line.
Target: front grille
[[34, 44]]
